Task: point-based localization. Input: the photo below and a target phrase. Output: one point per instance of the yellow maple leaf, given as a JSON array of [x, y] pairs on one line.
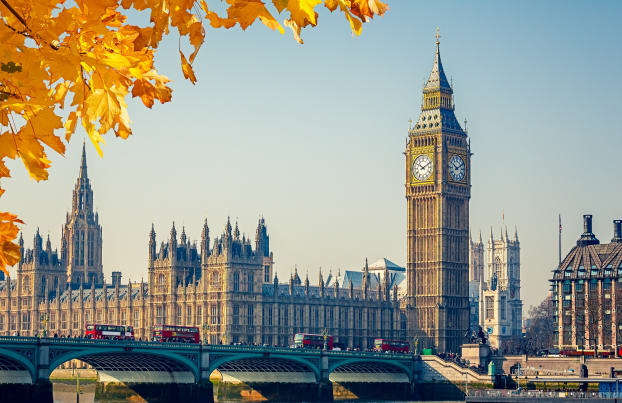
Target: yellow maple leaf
[[9, 251], [186, 68]]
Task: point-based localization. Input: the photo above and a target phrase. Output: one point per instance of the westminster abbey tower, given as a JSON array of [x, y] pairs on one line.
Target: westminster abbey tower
[[437, 193]]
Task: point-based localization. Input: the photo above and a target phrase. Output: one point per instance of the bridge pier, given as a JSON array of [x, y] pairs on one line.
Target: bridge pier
[[325, 391]]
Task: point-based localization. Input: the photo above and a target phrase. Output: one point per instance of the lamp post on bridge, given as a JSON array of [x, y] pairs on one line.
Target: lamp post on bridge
[[44, 321], [204, 328], [325, 335]]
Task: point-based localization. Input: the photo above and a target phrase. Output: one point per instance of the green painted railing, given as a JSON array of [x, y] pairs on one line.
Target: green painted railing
[[204, 347]]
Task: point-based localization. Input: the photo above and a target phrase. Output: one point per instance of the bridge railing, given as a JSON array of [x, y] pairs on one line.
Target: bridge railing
[[209, 347], [84, 341]]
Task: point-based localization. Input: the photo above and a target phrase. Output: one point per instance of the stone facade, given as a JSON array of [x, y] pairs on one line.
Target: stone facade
[[438, 188], [500, 308], [587, 293], [225, 286]]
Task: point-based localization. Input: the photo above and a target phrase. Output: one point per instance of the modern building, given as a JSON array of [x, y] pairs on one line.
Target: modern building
[[499, 303], [226, 286], [587, 293], [438, 189]]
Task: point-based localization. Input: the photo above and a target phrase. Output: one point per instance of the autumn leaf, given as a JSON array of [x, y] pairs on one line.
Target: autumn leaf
[[187, 69], [9, 251]]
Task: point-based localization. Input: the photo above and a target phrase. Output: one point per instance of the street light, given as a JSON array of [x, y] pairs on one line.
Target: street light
[[325, 335], [204, 333], [44, 321]]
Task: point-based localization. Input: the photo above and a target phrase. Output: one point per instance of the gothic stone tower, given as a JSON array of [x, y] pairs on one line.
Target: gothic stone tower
[[476, 260], [437, 194], [81, 245]]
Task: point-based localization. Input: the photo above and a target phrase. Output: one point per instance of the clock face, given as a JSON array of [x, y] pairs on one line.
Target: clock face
[[457, 168], [422, 167]]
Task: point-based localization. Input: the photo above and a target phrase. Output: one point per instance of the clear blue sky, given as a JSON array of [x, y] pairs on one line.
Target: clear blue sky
[[312, 136]]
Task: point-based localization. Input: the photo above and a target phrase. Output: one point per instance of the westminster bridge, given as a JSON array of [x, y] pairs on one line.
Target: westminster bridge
[[161, 371]]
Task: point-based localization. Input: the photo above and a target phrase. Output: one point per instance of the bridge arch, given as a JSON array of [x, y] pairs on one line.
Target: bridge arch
[[367, 364], [259, 359], [106, 358], [8, 358]]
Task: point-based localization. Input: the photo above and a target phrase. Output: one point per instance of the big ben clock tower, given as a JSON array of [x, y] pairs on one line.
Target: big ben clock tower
[[437, 193]]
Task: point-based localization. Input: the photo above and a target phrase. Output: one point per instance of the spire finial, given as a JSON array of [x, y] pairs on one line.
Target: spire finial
[[438, 36], [83, 173]]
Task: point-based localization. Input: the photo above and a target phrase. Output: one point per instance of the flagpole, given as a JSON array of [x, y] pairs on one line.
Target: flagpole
[[560, 239]]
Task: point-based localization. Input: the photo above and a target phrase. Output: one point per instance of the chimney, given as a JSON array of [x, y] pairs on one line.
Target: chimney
[[587, 238], [587, 223], [116, 278], [617, 231]]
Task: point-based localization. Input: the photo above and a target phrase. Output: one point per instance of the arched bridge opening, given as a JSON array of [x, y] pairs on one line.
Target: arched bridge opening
[[134, 366], [265, 369], [369, 371], [14, 371], [369, 380], [137, 367], [264, 377]]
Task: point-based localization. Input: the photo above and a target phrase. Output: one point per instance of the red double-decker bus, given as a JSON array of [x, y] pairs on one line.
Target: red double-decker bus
[[396, 346], [109, 332], [177, 334], [305, 340]]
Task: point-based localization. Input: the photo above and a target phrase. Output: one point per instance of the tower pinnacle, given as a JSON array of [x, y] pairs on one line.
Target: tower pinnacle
[[83, 172]]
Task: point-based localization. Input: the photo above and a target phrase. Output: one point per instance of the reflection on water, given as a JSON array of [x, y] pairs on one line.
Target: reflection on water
[[66, 392]]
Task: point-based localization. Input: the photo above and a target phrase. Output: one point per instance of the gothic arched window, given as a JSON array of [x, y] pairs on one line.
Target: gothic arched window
[[250, 281], [497, 268], [42, 284], [236, 281], [26, 284]]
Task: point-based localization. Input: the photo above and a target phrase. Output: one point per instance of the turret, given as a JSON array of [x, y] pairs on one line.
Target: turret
[[291, 284], [116, 278], [182, 239], [205, 243], [236, 231], [307, 285], [172, 244], [351, 289], [321, 284], [262, 240], [152, 246], [336, 287], [21, 248], [276, 285], [515, 234]]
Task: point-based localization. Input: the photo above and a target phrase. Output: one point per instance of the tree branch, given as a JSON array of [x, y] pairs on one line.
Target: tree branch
[[21, 19]]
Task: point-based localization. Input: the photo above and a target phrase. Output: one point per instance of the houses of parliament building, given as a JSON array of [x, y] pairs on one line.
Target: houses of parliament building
[[226, 286]]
